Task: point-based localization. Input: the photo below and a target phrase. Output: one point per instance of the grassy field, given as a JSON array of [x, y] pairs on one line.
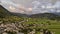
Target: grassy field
[[52, 25]]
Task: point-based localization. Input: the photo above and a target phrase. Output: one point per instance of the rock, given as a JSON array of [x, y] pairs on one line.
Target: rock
[[32, 32], [5, 33], [20, 33]]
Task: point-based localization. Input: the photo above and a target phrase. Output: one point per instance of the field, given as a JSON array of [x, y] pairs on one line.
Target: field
[[52, 25]]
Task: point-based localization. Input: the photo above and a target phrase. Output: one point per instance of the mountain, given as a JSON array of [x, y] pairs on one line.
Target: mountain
[[4, 12], [46, 15]]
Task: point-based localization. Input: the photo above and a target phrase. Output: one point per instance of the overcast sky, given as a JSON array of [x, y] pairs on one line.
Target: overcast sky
[[23, 2], [19, 6]]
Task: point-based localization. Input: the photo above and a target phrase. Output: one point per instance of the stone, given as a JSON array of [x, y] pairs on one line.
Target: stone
[[5, 33]]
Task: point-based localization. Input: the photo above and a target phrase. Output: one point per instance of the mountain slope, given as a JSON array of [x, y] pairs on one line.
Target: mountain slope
[[6, 16], [4, 12], [44, 15]]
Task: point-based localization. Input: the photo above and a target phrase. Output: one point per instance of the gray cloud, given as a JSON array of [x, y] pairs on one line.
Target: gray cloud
[[43, 6], [38, 6], [18, 5]]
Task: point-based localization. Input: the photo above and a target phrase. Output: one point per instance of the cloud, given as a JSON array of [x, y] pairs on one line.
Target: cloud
[[30, 6], [15, 6], [12, 8], [42, 7]]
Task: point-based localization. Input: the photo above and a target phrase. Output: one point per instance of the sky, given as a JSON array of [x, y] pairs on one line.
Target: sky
[[22, 2], [45, 6], [30, 6], [17, 6]]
